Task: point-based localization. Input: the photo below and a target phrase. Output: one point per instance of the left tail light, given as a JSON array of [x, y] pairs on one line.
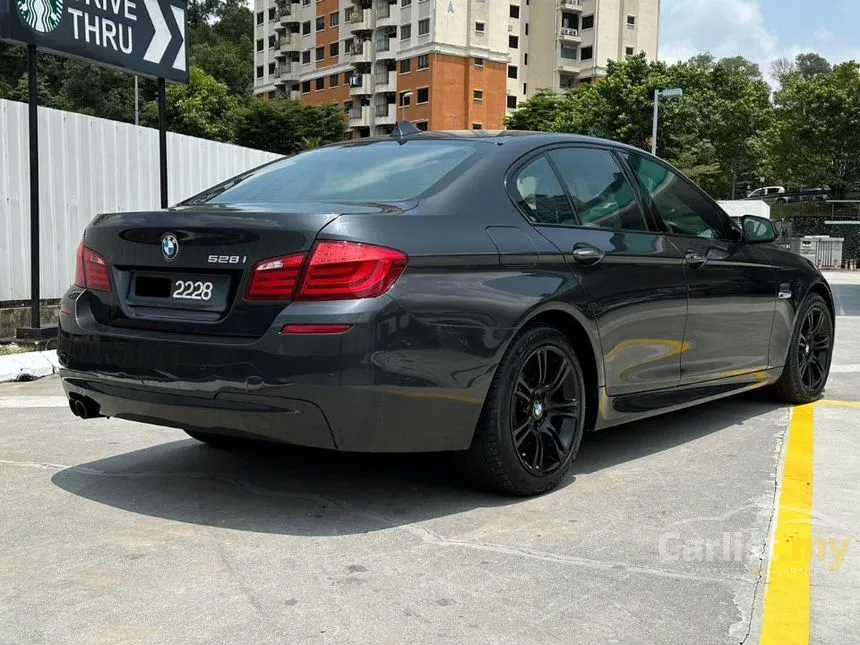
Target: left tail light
[[91, 270]]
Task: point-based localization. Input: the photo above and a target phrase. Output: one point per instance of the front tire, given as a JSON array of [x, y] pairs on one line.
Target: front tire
[[533, 419], [808, 364]]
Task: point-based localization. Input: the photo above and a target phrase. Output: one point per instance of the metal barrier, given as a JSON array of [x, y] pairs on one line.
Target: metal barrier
[[824, 251]]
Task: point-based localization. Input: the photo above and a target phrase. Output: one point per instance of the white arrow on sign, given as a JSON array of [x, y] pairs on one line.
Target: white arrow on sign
[[161, 37], [179, 16]]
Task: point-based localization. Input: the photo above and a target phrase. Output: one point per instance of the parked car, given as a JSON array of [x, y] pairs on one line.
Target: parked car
[[496, 295], [767, 192]]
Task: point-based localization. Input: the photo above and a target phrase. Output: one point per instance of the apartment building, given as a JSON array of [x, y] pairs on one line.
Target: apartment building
[[442, 64]]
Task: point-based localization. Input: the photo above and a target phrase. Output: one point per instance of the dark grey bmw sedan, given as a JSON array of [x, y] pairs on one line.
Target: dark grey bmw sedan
[[497, 295]]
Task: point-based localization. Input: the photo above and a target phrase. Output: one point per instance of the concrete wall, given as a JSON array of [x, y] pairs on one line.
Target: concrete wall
[[89, 166]]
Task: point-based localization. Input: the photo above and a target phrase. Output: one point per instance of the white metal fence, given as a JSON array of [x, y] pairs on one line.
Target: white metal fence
[[89, 166]]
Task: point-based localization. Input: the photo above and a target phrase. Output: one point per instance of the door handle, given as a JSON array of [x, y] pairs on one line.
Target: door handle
[[695, 260], [587, 254]]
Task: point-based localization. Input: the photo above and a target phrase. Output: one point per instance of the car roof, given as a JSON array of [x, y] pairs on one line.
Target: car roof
[[498, 137]]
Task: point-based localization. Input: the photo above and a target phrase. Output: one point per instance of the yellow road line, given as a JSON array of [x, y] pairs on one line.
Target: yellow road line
[[840, 404], [786, 604]]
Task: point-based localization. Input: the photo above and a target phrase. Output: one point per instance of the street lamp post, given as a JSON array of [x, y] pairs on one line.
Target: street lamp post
[[674, 93], [403, 98]]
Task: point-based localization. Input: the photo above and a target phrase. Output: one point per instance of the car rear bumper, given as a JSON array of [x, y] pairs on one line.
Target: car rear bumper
[[376, 388]]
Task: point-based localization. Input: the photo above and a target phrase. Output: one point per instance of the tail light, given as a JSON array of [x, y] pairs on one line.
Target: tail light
[[275, 279], [348, 270], [91, 270]]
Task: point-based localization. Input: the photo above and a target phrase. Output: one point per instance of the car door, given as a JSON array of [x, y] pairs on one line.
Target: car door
[[580, 198], [732, 284]]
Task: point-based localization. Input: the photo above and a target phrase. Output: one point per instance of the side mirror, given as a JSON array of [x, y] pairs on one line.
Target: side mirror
[[758, 230]]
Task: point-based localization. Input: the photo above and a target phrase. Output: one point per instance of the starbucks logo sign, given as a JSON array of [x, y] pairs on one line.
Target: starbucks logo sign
[[41, 15]]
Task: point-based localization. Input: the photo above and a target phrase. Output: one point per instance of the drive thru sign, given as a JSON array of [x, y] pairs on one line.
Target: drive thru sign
[[146, 37]]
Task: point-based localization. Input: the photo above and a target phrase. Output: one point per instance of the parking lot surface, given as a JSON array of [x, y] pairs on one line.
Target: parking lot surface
[[116, 532]]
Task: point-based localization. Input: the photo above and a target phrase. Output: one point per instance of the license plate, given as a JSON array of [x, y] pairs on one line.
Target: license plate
[[180, 291]]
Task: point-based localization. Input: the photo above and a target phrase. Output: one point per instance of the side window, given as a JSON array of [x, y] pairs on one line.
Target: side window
[[602, 196], [539, 193], [683, 209]]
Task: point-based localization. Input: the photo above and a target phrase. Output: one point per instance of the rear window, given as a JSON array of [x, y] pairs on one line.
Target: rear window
[[382, 171]]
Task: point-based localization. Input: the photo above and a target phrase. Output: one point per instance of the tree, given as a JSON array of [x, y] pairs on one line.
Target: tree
[[812, 65], [815, 136], [538, 113], [286, 127], [203, 108], [781, 67]]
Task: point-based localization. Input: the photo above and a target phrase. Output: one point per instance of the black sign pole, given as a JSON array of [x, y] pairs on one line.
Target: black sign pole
[[162, 140], [35, 313]]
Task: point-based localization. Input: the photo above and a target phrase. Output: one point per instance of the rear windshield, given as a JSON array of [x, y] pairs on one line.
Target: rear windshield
[[382, 171]]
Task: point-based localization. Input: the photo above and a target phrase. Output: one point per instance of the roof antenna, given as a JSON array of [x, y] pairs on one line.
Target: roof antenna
[[402, 130]]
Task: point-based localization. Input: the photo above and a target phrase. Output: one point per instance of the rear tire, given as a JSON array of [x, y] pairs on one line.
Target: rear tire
[[533, 419], [807, 366]]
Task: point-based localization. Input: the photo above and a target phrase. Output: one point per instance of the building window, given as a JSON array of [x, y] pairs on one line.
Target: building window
[[306, 87], [405, 3], [334, 50], [479, 62], [424, 27], [512, 102], [586, 53], [405, 32], [306, 57], [320, 83], [423, 95], [406, 66], [515, 11], [423, 61], [334, 19], [479, 28], [259, 18], [477, 126], [272, 13], [525, 88], [514, 42], [525, 59], [347, 13], [512, 71], [320, 53], [629, 52], [527, 29], [320, 23], [421, 125], [347, 78], [569, 52], [405, 101], [306, 28], [271, 68], [260, 45], [631, 22], [259, 71], [271, 41], [588, 22], [333, 80]]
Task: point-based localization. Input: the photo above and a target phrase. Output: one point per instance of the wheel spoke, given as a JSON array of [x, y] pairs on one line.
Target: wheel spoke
[[542, 357], [821, 343], [556, 442], [537, 464], [816, 318], [523, 389], [559, 378], [522, 432], [567, 409]]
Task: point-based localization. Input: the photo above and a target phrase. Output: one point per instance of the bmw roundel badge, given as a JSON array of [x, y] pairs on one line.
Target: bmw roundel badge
[[169, 246]]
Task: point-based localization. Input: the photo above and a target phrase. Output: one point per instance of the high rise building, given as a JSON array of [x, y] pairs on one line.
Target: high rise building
[[442, 64]]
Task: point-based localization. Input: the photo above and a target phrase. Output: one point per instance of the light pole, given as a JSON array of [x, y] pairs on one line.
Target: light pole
[[674, 93], [403, 98]]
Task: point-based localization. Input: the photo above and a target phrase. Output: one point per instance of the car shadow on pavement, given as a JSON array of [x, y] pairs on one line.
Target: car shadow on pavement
[[299, 491]]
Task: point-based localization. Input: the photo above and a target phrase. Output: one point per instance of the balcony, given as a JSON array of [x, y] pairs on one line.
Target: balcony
[[571, 5], [385, 114], [287, 17], [284, 44], [385, 49], [385, 81], [361, 52], [361, 20], [385, 17], [569, 65], [361, 85], [285, 73], [568, 35], [360, 117]]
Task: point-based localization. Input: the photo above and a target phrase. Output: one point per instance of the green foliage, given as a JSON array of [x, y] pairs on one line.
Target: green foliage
[[815, 136], [711, 133], [286, 127]]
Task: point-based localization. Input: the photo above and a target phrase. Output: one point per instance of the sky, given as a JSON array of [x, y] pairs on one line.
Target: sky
[[761, 30]]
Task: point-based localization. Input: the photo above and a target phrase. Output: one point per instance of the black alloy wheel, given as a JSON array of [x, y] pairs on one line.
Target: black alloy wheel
[[545, 410], [533, 417], [813, 349], [807, 365]]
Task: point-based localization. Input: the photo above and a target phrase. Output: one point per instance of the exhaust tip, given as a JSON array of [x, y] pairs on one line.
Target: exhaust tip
[[84, 408]]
